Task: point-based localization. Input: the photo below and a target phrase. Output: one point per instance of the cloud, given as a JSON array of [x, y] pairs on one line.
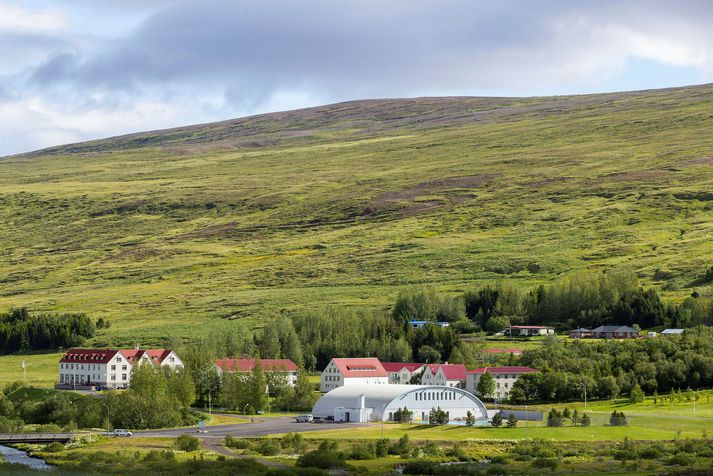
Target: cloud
[[190, 61]]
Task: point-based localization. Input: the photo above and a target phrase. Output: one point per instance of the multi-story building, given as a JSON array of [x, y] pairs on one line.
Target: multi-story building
[[505, 378], [447, 375], [402, 372], [351, 371], [268, 365], [109, 368]]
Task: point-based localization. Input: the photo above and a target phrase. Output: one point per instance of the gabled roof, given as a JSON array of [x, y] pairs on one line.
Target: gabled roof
[[247, 365], [360, 367], [450, 371], [88, 356], [615, 329], [581, 329], [157, 356], [503, 370], [397, 366]]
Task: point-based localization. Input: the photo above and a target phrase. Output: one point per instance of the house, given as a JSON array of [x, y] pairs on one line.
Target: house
[[526, 331], [672, 332], [268, 365], [419, 324], [88, 368], [615, 332], [580, 333], [447, 375], [363, 403], [352, 371], [505, 378], [401, 372]]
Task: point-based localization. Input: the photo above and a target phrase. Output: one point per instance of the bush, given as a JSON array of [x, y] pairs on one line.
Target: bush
[[362, 451], [497, 420], [550, 463], [554, 418], [403, 447], [187, 443], [54, 447], [293, 441], [650, 452], [681, 459], [420, 467], [382, 448], [237, 443], [320, 459], [267, 447]]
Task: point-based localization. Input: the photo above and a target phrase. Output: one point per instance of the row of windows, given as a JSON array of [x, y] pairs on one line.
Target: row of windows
[[436, 396], [79, 366], [331, 378]]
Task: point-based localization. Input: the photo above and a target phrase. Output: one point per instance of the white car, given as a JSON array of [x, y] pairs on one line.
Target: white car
[[305, 419], [120, 432]]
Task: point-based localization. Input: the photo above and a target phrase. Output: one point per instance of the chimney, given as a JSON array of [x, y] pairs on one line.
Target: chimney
[[362, 401]]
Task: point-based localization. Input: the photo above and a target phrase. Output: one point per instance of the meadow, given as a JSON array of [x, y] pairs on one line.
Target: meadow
[[175, 234]]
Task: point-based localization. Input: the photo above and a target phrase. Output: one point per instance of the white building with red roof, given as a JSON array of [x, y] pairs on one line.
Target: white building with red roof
[[505, 378], [268, 365], [351, 371], [109, 368], [402, 372], [447, 375]]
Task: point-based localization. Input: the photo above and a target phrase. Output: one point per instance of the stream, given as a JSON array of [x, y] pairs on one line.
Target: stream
[[11, 455]]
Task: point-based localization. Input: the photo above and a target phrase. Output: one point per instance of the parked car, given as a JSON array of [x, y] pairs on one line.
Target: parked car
[[305, 418], [121, 432]]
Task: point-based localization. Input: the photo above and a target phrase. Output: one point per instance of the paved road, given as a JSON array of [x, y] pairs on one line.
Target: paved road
[[262, 426]]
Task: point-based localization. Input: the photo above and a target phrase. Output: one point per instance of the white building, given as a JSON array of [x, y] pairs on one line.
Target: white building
[[364, 402], [672, 332], [285, 366], [526, 331], [402, 372], [352, 371], [448, 375], [505, 378], [109, 368]]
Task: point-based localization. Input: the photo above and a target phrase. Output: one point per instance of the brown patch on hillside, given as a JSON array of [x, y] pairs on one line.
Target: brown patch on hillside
[[701, 161], [636, 176]]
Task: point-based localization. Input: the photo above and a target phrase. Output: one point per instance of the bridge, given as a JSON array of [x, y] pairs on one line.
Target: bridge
[[6, 439]]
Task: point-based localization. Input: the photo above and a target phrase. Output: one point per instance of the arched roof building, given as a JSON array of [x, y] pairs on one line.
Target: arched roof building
[[380, 402]]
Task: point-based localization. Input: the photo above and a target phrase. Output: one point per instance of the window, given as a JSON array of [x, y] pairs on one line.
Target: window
[[123, 367], [123, 376], [113, 367], [113, 376]]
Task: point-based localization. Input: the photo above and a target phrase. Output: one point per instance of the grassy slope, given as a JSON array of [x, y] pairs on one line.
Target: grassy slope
[[172, 232]]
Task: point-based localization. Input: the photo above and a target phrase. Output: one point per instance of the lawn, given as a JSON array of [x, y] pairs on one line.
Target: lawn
[[42, 368], [179, 234]]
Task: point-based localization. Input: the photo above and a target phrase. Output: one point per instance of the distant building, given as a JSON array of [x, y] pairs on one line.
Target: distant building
[[362, 403], [580, 333], [419, 324], [615, 332], [87, 368], [268, 365], [526, 331], [672, 332], [352, 371], [505, 378], [447, 375], [401, 372]]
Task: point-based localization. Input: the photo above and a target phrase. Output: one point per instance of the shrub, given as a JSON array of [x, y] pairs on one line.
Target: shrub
[[554, 418], [497, 420], [54, 447], [681, 459], [362, 451], [187, 443], [403, 447], [382, 448], [267, 447], [320, 459], [420, 467], [237, 443], [618, 419], [294, 441], [550, 463], [512, 421], [650, 452]]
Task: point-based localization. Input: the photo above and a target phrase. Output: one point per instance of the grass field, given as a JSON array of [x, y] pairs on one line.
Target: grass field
[[42, 368], [183, 232]]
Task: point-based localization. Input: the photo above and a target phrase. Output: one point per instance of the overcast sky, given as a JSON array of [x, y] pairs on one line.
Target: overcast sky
[[81, 69]]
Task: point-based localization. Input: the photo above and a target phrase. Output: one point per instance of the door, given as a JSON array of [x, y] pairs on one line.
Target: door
[[346, 416]]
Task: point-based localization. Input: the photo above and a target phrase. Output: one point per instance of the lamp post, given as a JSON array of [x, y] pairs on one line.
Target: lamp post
[[108, 417], [584, 386]]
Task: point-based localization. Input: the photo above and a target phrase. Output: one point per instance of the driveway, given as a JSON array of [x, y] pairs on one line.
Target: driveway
[[261, 427]]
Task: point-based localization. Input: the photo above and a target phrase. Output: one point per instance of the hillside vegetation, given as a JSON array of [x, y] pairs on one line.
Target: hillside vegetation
[[174, 233]]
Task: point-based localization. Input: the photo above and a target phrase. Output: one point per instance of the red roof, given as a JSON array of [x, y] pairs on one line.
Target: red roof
[[246, 365], [451, 371], [503, 351], [156, 355], [360, 367], [503, 370], [397, 366], [531, 327], [88, 356]]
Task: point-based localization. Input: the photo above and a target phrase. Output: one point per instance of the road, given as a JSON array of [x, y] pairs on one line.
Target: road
[[261, 427]]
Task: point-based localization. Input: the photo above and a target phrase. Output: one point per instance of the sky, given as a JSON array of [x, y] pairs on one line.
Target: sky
[[74, 70]]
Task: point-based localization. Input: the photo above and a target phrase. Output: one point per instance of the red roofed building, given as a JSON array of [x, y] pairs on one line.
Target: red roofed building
[[402, 372], [448, 375], [347, 371], [86, 368], [505, 378], [268, 365]]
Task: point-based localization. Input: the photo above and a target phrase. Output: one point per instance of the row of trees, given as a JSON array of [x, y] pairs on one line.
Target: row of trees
[[20, 330], [584, 299]]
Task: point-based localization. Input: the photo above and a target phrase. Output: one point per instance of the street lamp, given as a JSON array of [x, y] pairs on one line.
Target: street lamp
[[108, 417], [584, 386]]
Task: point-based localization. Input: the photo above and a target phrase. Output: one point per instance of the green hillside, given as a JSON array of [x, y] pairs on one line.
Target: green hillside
[[178, 232]]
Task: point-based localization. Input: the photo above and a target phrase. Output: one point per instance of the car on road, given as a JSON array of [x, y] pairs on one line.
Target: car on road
[[121, 432], [305, 418]]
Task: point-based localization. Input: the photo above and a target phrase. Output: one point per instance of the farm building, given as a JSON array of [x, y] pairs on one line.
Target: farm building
[[352, 371], [527, 331], [285, 366], [364, 402], [615, 332]]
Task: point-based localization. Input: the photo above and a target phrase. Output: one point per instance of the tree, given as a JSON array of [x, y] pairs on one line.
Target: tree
[[576, 418], [586, 421], [554, 418], [566, 414], [428, 354], [636, 395], [486, 385], [469, 418], [438, 417], [257, 388], [512, 421], [497, 324], [618, 419], [497, 420]]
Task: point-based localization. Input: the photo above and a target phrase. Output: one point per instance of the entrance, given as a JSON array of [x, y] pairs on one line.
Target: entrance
[[346, 416]]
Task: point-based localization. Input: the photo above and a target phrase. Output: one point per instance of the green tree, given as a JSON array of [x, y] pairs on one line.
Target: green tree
[[512, 421], [497, 420], [257, 388], [636, 395], [586, 421], [469, 418], [486, 385], [554, 418]]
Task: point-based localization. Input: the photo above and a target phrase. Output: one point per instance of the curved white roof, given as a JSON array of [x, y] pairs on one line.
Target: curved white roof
[[378, 397]]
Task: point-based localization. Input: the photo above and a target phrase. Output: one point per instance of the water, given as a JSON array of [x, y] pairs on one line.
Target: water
[[11, 455]]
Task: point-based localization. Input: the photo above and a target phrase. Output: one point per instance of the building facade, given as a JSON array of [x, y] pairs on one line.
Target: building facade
[[285, 366], [447, 375], [527, 331], [615, 332], [401, 372], [505, 378], [352, 371]]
